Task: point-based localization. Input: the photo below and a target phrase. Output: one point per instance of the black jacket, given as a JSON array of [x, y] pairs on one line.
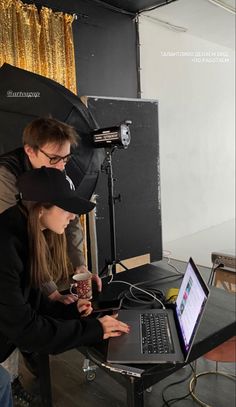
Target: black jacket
[[28, 319], [17, 162]]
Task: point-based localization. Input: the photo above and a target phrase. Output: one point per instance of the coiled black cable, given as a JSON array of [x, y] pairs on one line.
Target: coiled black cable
[[141, 299]]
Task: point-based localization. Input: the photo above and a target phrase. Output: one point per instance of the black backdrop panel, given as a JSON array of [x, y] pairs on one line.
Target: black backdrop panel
[[105, 47], [137, 173]]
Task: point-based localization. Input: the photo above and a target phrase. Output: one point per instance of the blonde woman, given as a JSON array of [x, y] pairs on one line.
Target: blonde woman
[[32, 249]]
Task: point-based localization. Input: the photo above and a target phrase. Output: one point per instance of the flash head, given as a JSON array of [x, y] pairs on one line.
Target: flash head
[[118, 136]]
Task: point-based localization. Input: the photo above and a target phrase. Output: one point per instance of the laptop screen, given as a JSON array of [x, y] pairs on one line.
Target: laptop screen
[[192, 296]]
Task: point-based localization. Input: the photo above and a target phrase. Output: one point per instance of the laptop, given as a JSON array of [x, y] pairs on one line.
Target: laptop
[[163, 335]]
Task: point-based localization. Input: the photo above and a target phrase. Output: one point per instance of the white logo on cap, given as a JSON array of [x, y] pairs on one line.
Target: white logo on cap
[[72, 187]]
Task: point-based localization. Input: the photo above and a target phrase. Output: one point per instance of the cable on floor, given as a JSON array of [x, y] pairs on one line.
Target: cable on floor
[[174, 400]]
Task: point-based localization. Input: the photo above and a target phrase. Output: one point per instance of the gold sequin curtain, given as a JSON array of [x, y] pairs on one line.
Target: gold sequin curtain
[[38, 41]]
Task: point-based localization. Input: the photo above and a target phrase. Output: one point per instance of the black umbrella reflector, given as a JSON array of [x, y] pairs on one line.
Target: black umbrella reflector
[[25, 96]]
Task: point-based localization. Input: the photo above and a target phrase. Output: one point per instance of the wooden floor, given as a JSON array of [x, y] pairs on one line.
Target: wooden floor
[[71, 389]]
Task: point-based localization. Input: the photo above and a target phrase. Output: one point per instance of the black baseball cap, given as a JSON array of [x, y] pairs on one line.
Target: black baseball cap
[[50, 185]]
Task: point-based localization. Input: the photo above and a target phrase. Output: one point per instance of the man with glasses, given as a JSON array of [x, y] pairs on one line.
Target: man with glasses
[[46, 142], [56, 159]]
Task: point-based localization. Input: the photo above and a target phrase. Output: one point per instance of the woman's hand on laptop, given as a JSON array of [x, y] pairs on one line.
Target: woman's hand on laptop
[[112, 326]]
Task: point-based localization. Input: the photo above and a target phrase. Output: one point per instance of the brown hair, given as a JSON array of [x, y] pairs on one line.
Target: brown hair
[[48, 130], [48, 250]]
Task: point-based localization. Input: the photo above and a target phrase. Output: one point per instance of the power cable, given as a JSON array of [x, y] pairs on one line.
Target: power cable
[[213, 270], [174, 400], [148, 293], [174, 267]]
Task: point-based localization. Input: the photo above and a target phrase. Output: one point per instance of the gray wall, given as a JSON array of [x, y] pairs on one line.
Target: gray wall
[[197, 138]]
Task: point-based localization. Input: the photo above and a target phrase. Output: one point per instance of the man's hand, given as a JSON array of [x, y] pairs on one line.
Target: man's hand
[[95, 277], [112, 326], [84, 307], [65, 299]]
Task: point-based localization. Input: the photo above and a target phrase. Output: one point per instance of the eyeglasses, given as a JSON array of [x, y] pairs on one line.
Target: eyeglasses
[[56, 158]]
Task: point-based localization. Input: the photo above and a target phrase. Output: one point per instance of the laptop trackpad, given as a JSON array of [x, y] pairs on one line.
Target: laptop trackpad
[[131, 337], [125, 343]]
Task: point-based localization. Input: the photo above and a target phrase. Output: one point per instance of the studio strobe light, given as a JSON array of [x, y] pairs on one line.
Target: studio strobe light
[[118, 136]]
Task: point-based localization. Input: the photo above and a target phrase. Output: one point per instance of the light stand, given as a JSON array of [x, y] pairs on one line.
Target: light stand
[[112, 138], [107, 167]]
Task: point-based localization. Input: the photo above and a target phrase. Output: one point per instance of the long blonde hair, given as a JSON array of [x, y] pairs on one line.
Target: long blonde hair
[[48, 250]]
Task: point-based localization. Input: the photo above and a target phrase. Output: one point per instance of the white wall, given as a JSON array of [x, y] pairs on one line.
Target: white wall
[[196, 124]]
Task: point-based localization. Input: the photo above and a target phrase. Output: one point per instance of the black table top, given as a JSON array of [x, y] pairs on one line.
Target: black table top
[[217, 325]]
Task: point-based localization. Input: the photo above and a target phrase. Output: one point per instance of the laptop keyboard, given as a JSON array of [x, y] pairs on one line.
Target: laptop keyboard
[[155, 332]]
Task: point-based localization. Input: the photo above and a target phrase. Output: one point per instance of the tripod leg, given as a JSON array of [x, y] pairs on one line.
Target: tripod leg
[[122, 265]]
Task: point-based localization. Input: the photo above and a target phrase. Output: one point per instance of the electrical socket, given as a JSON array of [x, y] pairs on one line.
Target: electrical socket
[[229, 260]]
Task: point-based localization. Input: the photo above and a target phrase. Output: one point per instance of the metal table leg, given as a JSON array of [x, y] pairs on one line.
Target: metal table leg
[[135, 394], [45, 380]]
